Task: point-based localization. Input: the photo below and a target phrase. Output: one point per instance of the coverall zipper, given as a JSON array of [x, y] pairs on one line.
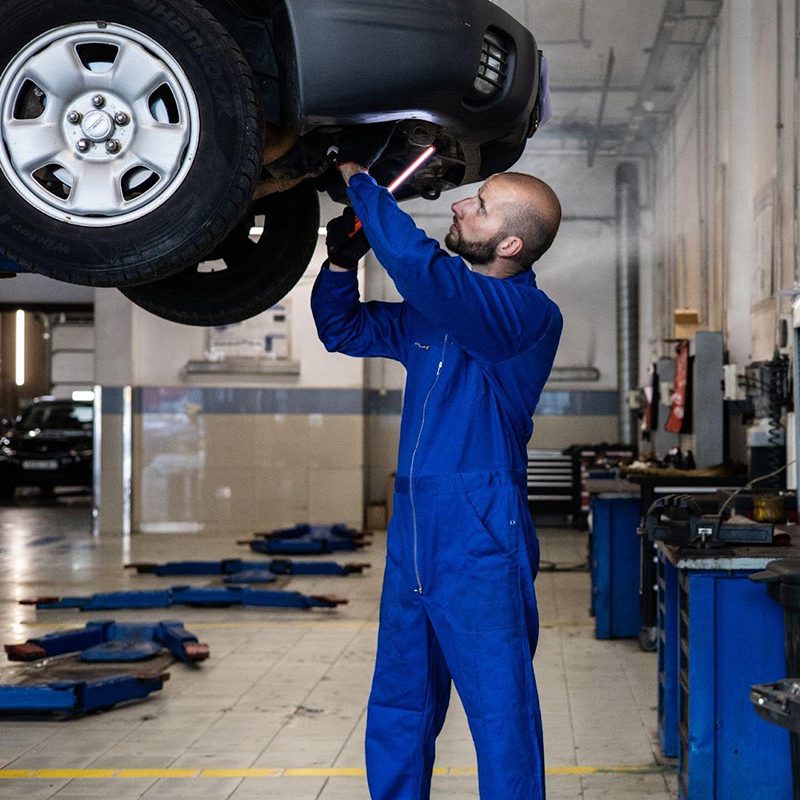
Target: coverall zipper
[[413, 457]]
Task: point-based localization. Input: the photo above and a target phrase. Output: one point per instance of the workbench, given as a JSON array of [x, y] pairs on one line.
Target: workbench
[[719, 633], [654, 483]]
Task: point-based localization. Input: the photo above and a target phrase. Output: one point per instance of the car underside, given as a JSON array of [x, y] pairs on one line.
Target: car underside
[[144, 139]]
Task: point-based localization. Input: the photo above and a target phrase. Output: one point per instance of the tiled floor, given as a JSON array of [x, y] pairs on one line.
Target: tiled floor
[[285, 691]]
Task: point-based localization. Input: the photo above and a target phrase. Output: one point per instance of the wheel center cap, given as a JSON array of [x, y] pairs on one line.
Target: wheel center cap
[[97, 126]]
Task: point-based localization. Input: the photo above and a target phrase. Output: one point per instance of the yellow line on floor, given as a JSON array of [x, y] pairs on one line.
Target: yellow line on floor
[[292, 772]]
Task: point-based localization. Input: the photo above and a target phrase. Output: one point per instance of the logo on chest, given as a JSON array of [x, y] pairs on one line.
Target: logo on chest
[[422, 346]]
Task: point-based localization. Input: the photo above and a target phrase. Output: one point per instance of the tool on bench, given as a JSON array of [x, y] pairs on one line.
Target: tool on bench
[[679, 519], [778, 703], [110, 641]]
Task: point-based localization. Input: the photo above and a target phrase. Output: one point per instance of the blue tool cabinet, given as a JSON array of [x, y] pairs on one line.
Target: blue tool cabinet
[[668, 660], [615, 566], [719, 633]]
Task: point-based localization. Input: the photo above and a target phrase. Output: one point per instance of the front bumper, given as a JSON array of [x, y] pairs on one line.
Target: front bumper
[[21, 471], [363, 61]]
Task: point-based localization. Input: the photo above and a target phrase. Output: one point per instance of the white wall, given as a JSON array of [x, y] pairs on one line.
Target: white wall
[[729, 153], [157, 351]]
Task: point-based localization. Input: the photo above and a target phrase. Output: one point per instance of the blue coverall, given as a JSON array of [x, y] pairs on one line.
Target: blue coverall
[[458, 597]]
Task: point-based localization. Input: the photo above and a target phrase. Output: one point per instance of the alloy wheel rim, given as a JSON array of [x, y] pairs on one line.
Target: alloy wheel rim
[[99, 125]]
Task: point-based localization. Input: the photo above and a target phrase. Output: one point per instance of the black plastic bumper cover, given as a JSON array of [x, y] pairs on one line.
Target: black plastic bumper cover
[[360, 61]]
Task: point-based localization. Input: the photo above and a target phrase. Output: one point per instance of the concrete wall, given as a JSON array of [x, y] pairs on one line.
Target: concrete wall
[[725, 168], [227, 453]]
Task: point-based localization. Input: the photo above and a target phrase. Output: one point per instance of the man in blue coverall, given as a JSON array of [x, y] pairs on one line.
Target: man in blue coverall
[[458, 600]]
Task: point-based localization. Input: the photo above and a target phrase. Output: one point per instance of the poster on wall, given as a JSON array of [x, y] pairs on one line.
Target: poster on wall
[[763, 240], [264, 336]]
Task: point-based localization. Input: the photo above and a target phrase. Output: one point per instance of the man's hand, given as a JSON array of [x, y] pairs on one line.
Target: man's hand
[[350, 169], [345, 250]]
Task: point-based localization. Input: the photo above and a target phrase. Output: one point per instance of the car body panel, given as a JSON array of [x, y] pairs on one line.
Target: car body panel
[[359, 61]]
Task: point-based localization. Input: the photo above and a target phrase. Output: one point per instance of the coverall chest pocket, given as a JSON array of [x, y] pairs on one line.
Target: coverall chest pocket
[[495, 529]]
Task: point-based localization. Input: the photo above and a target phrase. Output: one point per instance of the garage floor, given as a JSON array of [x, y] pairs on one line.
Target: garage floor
[[278, 710]]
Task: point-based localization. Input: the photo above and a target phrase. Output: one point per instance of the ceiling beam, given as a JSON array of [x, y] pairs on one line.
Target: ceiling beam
[[674, 13], [598, 128]]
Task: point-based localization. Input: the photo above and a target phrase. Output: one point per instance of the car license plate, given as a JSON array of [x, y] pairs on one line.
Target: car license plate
[[40, 464]]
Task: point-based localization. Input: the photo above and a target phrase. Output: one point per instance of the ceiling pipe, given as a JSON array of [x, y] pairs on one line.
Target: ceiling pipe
[[594, 142], [674, 12], [628, 265]]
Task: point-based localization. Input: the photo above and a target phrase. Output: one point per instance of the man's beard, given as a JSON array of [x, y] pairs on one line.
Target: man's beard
[[478, 253]]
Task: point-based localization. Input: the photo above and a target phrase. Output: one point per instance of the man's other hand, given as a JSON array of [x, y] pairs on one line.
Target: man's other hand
[[345, 250], [348, 170]]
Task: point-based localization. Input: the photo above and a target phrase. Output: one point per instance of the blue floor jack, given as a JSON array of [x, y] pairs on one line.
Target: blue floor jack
[[308, 540], [106, 640], [237, 571], [214, 597]]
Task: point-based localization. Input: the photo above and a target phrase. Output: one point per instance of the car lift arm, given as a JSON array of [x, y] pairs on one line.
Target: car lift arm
[[234, 566], [190, 596], [106, 640], [78, 697]]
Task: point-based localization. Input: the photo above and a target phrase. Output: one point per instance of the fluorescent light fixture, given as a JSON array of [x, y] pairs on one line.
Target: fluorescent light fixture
[[20, 348], [83, 396]]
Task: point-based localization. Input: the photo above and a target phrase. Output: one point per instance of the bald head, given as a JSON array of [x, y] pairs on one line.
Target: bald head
[[531, 212]]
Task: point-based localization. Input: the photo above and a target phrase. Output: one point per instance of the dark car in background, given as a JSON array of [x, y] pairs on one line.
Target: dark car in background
[[141, 141], [48, 445]]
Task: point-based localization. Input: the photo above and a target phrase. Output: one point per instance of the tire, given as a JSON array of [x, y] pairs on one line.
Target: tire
[[648, 639], [216, 139], [256, 277]]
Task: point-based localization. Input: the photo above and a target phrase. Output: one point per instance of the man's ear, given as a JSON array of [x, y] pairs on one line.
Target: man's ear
[[510, 247]]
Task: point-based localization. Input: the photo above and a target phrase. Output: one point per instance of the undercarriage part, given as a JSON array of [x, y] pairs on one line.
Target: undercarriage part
[[279, 142], [308, 158], [290, 162]]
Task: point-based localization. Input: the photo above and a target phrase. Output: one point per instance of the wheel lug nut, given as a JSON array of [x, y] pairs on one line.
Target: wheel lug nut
[[74, 117], [98, 101], [82, 145], [121, 118], [112, 145]]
